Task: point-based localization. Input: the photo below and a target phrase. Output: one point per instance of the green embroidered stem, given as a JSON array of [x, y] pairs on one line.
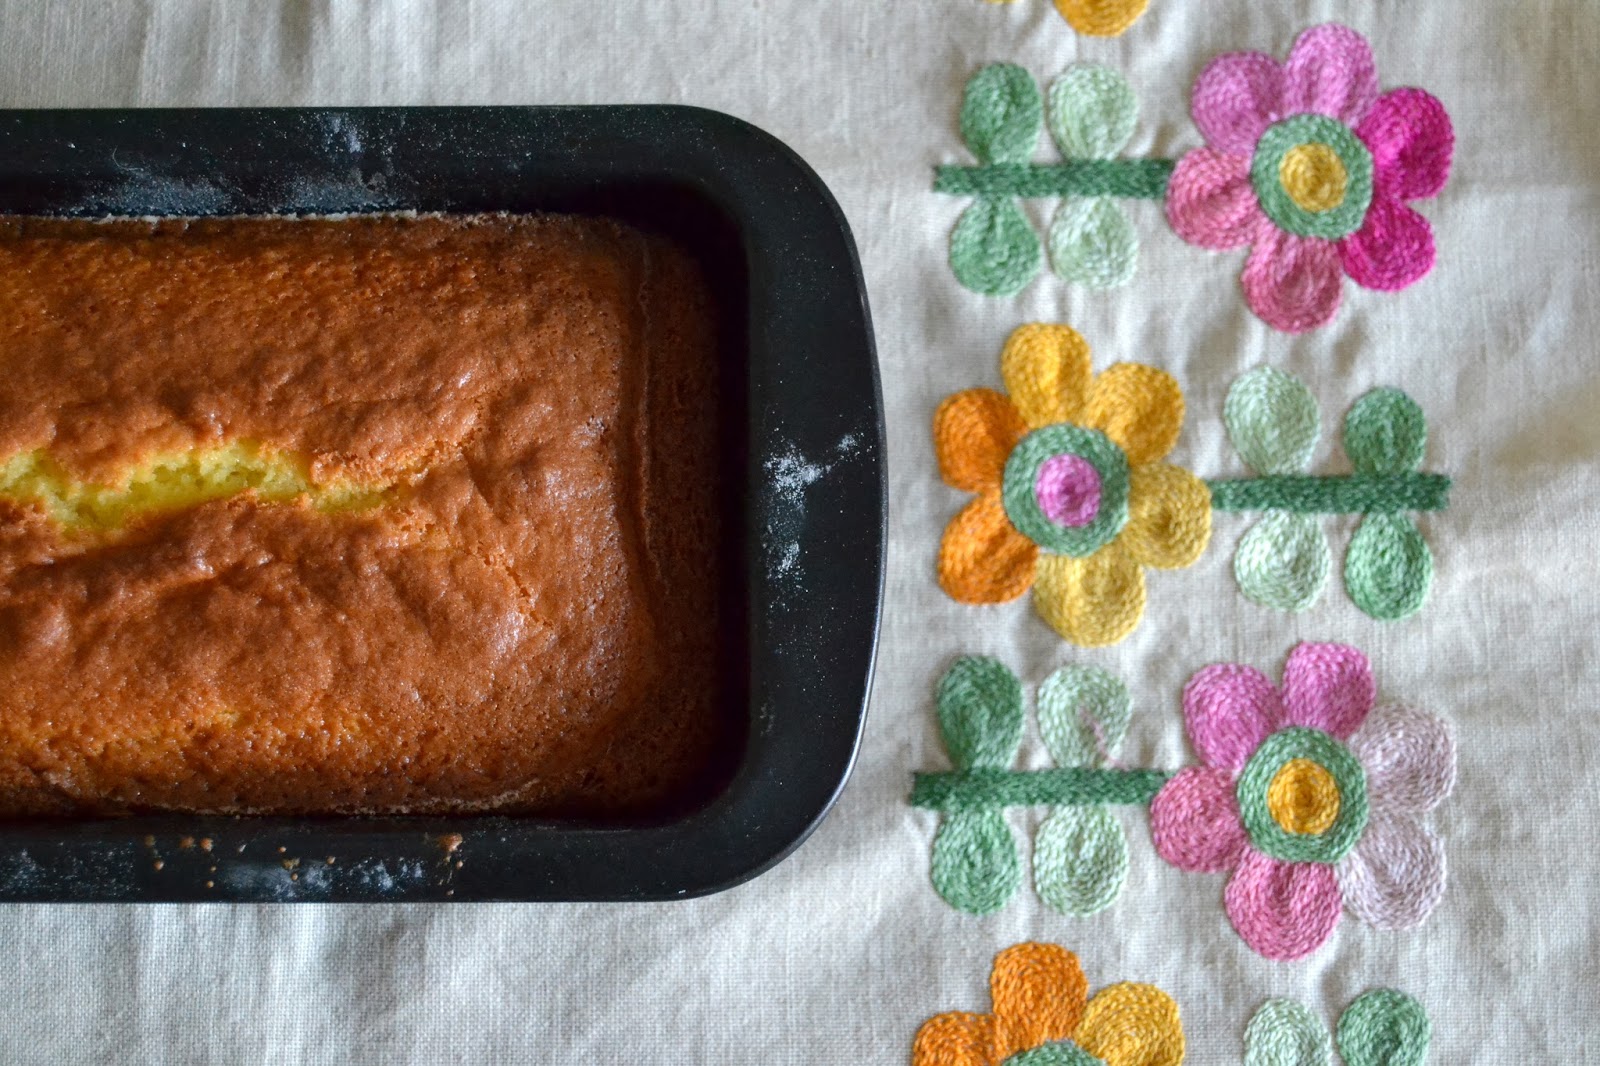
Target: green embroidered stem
[[1348, 494], [1136, 179], [966, 790]]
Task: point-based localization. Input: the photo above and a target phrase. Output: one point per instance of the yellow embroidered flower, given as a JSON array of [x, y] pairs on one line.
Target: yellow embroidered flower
[[1043, 1017], [1073, 499], [1098, 18]]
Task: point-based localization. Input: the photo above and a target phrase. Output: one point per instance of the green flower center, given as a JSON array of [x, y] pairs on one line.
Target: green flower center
[[1058, 1053], [1066, 489], [1313, 176], [1303, 797]]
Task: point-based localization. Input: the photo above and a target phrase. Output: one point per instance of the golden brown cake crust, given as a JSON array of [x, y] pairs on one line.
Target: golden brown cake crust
[[527, 622]]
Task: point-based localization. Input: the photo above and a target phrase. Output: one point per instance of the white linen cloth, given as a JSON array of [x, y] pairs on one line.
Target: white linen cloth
[[841, 952]]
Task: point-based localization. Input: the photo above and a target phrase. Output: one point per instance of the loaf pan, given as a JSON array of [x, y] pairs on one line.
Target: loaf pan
[[804, 432]]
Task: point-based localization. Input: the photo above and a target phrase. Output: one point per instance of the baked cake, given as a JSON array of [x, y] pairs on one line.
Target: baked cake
[[379, 514]]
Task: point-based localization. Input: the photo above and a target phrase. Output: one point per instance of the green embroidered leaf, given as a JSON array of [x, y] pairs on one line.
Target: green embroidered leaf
[[980, 713], [1283, 561], [975, 863], [993, 249], [1083, 715], [1080, 860], [1001, 112], [1092, 112], [1388, 567], [1093, 243], [1385, 433], [1285, 1033], [1384, 1028], [1272, 421]]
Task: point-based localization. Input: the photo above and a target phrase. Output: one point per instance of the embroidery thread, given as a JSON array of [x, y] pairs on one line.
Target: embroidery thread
[[1283, 560], [1382, 1027], [1305, 162], [1092, 114], [1042, 1015], [1075, 500], [1309, 794], [1309, 166], [1310, 797], [1097, 18], [1080, 853]]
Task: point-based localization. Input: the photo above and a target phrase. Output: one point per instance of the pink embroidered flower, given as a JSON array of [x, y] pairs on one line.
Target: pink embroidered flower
[[1306, 163], [1310, 797]]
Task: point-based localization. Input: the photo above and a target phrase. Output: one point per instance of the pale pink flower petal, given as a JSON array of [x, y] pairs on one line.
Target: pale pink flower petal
[[1395, 876], [1409, 756]]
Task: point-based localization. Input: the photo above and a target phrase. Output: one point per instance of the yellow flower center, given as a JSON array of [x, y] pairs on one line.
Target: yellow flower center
[[1303, 798], [1314, 176]]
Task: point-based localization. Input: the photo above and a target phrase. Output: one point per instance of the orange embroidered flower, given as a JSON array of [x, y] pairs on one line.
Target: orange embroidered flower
[[1098, 18], [1073, 499], [1043, 1016]]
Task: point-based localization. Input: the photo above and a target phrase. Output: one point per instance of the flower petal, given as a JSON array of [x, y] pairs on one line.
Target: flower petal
[[1210, 201], [1330, 71], [1395, 876], [1283, 910], [1409, 756], [1169, 517], [1046, 371], [1392, 249], [982, 558], [955, 1039], [1094, 601], [1195, 821], [1101, 18], [1132, 1025], [1228, 710], [1292, 282], [1328, 687], [1411, 140], [973, 434], [1139, 407], [1235, 99], [1039, 993]]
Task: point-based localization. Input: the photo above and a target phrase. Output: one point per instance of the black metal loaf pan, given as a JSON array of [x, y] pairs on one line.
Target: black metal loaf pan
[[806, 434]]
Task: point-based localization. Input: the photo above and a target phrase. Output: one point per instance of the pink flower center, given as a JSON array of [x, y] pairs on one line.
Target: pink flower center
[[1068, 490]]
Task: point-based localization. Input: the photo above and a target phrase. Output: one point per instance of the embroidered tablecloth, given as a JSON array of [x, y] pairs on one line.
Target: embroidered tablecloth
[[1478, 618]]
